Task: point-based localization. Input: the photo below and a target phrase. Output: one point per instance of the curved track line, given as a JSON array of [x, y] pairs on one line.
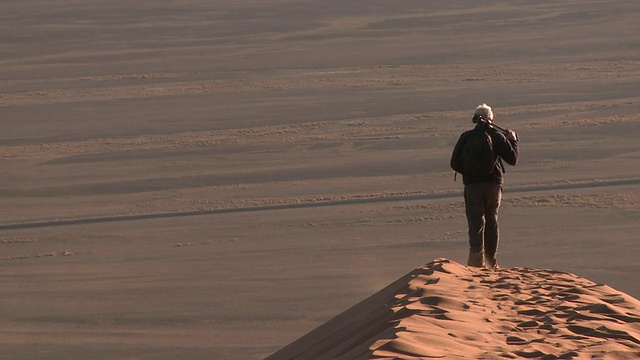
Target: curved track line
[[118, 218]]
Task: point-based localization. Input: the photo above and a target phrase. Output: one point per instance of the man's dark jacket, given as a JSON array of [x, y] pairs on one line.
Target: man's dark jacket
[[503, 148]]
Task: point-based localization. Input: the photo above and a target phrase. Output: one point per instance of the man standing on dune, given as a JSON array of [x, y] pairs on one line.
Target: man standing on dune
[[478, 156]]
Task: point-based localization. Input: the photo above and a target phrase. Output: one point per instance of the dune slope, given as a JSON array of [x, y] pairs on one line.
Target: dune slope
[[447, 310]]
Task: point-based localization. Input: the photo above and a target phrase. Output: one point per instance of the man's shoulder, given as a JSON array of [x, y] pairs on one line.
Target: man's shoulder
[[469, 132], [497, 135], [463, 135]]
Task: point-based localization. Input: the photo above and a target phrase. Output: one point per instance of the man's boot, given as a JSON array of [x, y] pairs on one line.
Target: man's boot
[[476, 259], [490, 262]]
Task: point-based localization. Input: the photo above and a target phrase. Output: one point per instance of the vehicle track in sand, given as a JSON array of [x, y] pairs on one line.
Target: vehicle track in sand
[[314, 203]]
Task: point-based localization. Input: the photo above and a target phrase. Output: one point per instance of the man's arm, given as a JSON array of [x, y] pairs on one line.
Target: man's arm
[[508, 147], [456, 161]]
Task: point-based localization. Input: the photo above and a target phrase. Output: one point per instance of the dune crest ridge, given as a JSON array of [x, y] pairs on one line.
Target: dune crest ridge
[[447, 310]]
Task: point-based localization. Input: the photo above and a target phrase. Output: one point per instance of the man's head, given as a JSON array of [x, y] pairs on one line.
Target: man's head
[[483, 112]]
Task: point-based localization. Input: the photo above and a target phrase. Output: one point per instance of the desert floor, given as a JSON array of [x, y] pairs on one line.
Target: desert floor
[[213, 180]]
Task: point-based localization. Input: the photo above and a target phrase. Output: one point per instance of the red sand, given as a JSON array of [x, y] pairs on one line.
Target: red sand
[[214, 179], [446, 310]]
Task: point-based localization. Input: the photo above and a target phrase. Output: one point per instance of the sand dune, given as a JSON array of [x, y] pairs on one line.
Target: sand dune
[[214, 179], [447, 310]]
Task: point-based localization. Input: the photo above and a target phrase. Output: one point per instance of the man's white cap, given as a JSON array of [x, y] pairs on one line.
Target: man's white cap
[[484, 110]]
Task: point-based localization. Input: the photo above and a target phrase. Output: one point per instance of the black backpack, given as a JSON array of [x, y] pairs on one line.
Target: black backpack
[[474, 154]]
